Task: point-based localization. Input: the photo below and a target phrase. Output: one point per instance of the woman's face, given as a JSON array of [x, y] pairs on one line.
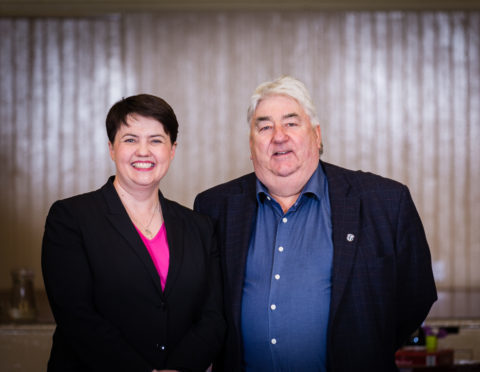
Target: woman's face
[[142, 153]]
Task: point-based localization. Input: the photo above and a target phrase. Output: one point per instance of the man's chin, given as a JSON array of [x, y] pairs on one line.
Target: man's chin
[[273, 174], [284, 171]]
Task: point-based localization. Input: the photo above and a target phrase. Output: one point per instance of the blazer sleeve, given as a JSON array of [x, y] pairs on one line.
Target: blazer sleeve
[[94, 341], [416, 290], [205, 338]]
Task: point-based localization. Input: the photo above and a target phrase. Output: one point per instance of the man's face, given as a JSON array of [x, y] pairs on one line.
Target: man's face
[[284, 145]]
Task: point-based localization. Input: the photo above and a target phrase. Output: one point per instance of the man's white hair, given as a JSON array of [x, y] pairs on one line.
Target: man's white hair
[[287, 86]]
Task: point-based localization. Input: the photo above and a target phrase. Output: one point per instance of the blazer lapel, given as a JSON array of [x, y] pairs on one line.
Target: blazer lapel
[[175, 238], [119, 219], [345, 207], [240, 219]]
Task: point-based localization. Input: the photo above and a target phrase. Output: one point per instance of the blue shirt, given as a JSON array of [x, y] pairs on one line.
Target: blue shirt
[[286, 292]]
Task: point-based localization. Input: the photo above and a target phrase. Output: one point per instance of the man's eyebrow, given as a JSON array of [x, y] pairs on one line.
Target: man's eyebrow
[[291, 115], [262, 118]]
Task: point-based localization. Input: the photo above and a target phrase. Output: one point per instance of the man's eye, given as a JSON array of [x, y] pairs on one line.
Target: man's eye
[[157, 141], [264, 128], [129, 140], [292, 124]]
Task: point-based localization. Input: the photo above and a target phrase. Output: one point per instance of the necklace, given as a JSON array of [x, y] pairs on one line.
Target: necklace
[[145, 228], [124, 199], [148, 233]]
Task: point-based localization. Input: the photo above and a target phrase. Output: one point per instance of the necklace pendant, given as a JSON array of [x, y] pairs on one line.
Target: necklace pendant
[[148, 233]]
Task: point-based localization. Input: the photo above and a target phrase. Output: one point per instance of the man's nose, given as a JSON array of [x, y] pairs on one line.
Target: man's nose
[[279, 133]]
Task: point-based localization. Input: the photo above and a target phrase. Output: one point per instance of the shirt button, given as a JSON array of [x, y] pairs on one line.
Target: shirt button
[[273, 341], [273, 306], [277, 276], [280, 249], [268, 197], [284, 219]]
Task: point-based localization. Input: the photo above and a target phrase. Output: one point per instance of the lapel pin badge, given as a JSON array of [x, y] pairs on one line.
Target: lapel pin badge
[[350, 237]]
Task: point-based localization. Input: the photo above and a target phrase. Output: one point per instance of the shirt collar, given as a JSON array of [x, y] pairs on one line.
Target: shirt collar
[[314, 186]]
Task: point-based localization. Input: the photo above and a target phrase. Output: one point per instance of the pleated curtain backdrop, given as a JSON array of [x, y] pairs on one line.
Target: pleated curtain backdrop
[[398, 94]]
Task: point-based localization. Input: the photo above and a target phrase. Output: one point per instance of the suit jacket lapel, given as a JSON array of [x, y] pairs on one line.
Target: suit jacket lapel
[[240, 219], [345, 207], [121, 222], [175, 238]]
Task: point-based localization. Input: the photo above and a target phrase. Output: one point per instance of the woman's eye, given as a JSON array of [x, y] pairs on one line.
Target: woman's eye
[[129, 140]]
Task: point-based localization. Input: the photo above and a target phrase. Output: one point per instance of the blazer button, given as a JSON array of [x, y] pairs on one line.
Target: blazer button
[[163, 305], [160, 347]]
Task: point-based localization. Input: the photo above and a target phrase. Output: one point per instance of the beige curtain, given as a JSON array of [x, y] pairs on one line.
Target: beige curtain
[[398, 93]]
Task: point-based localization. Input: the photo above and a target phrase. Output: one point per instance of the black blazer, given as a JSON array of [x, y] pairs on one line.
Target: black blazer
[[106, 296], [382, 282]]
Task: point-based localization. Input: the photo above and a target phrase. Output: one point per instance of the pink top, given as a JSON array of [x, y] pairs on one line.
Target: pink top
[[158, 249]]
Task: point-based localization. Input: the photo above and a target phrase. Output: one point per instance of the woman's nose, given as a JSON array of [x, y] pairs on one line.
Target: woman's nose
[[142, 148]]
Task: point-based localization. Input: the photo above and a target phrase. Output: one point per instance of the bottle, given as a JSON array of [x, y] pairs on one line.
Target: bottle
[[22, 302]]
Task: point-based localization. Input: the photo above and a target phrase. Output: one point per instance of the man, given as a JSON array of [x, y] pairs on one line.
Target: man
[[325, 269]]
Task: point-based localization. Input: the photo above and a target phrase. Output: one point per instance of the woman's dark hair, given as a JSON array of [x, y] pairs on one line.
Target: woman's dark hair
[[143, 105]]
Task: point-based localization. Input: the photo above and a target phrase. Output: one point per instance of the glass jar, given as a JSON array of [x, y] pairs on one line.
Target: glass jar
[[22, 302]]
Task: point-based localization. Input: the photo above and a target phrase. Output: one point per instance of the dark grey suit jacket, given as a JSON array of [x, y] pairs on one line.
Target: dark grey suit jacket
[[106, 296], [382, 282]]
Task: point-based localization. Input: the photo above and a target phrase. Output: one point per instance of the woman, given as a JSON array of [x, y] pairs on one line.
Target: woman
[[133, 278]]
